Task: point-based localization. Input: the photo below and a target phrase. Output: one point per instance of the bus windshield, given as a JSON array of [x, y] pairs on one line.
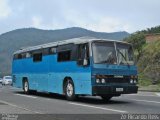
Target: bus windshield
[[125, 54], [105, 53]]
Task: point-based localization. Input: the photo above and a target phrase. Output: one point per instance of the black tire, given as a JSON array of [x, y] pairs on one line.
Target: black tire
[[69, 90], [106, 98], [32, 92], [26, 86]]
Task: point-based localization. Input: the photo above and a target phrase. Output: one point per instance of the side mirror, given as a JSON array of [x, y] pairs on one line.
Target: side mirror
[[85, 62]]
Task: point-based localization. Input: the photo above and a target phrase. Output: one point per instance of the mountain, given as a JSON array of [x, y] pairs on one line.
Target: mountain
[[16, 39]]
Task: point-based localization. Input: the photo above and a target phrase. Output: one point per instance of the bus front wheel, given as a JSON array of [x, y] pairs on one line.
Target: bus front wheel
[[26, 87], [69, 90]]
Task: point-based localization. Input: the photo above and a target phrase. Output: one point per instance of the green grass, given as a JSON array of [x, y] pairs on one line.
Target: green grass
[[150, 88], [143, 80], [145, 84]]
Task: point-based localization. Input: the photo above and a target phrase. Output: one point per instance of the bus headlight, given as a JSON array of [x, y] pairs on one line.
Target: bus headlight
[[131, 81], [103, 81], [135, 81], [97, 80]]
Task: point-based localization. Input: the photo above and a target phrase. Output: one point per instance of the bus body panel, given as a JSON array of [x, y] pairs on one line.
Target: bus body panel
[[114, 69], [48, 75]]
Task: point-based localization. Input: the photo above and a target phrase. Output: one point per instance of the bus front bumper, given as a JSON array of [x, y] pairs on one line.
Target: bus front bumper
[[114, 90]]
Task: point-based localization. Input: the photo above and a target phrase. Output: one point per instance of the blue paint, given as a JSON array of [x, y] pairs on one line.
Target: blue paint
[[49, 74], [105, 69]]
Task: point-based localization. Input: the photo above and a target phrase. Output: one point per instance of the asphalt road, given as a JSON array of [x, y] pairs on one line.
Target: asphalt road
[[12, 100]]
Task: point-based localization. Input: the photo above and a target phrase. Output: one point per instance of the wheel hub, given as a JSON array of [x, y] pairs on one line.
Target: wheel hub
[[69, 89], [26, 86]]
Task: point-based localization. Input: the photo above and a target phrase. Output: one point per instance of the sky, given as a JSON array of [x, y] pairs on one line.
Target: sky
[[96, 15]]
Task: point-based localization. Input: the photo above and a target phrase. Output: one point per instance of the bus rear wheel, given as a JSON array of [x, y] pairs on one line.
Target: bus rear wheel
[[106, 98], [69, 90], [26, 87]]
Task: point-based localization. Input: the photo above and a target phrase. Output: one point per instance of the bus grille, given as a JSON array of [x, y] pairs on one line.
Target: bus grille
[[118, 80]]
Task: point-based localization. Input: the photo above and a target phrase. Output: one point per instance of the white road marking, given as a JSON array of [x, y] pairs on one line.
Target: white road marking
[[145, 101], [143, 95], [102, 108], [13, 105], [26, 96], [158, 94], [14, 88]]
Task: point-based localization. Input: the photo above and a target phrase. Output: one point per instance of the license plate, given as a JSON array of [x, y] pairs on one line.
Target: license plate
[[119, 89]]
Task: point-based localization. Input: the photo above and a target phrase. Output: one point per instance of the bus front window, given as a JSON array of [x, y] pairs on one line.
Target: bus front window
[[125, 54], [104, 53]]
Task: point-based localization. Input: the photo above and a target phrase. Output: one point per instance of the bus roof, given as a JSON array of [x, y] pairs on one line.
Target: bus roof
[[63, 42]]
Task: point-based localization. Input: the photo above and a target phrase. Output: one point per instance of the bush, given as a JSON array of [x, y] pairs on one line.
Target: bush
[[149, 62], [143, 80]]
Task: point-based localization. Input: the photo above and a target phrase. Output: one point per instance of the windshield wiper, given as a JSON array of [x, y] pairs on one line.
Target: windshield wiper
[[123, 56]]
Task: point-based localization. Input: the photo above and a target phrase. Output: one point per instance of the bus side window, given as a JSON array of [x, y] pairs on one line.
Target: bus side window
[[28, 55], [45, 51], [15, 56], [37, 57], [52, 50], [23, 55], [64, 56], [83, 54], [19, 56], [74, 51], [67, 52]]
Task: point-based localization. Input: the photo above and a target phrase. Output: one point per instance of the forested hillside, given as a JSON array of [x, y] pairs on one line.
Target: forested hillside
[[149, 62], [147, 55]]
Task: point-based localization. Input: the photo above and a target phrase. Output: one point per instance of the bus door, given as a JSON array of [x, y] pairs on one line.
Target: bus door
[[83, 55], [84, 69]]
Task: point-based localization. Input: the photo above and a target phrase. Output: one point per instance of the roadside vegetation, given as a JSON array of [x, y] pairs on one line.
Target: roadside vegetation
[[147, 58]]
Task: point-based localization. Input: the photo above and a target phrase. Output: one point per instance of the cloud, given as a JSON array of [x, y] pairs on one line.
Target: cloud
[[111, 24], [42, 23], [99, 23], [97, 15], [36, 21], [107, 24], [5, 10]]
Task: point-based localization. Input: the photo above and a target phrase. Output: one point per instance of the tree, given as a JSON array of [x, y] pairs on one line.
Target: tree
[[137, 40]]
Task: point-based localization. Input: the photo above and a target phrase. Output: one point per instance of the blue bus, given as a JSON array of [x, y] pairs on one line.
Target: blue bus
[[74, 67]]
